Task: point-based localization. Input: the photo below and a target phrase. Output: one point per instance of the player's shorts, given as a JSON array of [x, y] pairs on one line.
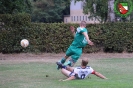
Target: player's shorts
[[68, 73], [73, 74], [74, 52]]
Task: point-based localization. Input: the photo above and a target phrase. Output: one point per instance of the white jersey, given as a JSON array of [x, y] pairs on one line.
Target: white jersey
[[82, 73]]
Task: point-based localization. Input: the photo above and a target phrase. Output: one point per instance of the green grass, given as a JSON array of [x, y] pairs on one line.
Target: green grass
[[33, 75]]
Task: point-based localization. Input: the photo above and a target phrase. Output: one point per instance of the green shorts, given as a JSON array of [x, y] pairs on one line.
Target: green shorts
[[74, 52]]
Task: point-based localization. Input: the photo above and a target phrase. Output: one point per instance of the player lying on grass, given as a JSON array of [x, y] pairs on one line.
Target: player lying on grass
[[80, 72], [81, 39]]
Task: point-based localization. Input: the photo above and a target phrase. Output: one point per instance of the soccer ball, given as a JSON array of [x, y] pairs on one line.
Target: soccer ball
[[24, 43]]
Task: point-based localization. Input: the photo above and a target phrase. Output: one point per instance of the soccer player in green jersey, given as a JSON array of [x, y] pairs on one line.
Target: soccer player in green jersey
[[81, 39]]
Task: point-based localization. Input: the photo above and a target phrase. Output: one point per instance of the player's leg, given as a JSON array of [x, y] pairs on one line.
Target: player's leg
[[69, 68], [70, 62], [68, 53], [76, 55], [65, 72], [63, 60], [68, 72], [62, 66]]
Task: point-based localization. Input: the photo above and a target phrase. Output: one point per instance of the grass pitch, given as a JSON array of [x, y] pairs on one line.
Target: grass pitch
[[45, 75]]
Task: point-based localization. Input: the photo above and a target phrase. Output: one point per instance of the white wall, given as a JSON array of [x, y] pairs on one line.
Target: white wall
[[76, 6], [77, 15]]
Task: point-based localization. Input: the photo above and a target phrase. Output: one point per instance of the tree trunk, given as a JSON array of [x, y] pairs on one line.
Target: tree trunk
[[111, 14]]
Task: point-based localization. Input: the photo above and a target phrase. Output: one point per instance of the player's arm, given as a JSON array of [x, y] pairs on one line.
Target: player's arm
[[99, 75], [70, 78], [72, 30], [87, 38]]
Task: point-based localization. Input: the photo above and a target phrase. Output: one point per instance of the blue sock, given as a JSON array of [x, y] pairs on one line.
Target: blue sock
[[64, 66], [61, 61]]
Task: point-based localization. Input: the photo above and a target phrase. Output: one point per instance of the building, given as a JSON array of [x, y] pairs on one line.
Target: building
[[77, 15]]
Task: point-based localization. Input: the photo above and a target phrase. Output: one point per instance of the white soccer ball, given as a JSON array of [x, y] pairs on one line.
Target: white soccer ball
[[24, 43]]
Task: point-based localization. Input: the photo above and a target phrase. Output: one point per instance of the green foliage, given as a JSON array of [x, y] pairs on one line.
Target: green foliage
[[10, 41], [100, 11], [14, 6], [113, 37], [49, 11], [12, 28], [49, 37], [56, 37], [20, 19]]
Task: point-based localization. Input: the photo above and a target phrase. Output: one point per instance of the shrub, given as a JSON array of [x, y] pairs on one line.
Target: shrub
[[56, 37]]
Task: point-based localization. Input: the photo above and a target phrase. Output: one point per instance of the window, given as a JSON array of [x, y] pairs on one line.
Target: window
[[71, 18], [83, 18], [66, 20], [92, 19], [80, 18], [77, 18], [86, 18], [89, 19]]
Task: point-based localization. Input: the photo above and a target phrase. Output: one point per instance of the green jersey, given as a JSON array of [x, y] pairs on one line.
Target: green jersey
[[79, 39]]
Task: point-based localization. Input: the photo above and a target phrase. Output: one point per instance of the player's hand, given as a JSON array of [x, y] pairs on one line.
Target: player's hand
[[91, 43], [105, 78], [62, 80], [72, 29]]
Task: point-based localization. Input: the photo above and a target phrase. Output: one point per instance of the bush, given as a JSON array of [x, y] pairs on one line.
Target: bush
[[14, 20], [12, 28], [56, 37]]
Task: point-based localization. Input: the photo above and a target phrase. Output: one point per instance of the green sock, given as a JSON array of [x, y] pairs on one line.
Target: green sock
[[68, 63], [63, 60]]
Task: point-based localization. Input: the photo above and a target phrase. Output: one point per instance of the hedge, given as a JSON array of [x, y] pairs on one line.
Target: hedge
[[56, 37], [114, 37]]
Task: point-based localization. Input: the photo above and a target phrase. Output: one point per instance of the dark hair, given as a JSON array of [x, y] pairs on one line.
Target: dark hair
[[85, 62]]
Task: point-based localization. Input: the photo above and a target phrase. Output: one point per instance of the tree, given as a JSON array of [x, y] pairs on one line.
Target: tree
[[49, 11], [14, 6], [96, 8], [101, 9]]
